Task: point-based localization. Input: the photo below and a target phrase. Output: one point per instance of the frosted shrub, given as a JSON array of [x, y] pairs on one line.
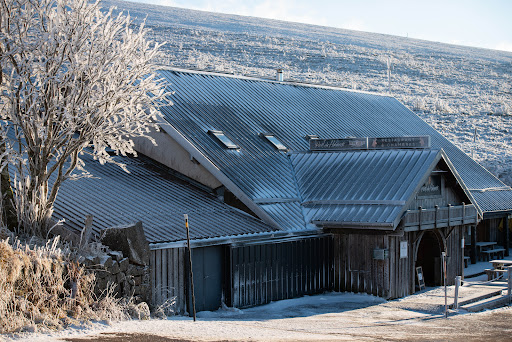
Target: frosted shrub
[[442, 106], [42, 288], [419, 104]]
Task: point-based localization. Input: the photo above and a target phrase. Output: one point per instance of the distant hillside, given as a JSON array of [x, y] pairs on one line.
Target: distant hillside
[[456, 89]]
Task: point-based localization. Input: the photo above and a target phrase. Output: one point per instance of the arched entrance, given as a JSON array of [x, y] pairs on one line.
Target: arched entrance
[[428, 256]]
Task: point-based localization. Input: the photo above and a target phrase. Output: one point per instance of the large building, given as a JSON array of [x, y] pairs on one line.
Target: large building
[[325, 189]]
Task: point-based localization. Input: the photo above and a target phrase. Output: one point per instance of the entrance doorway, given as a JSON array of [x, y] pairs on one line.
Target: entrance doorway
[[429, 258]]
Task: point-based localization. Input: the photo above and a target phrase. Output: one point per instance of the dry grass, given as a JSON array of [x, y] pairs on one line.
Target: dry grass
[[42, 288]]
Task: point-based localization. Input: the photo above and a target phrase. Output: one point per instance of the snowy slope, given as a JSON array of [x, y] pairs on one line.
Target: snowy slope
[[456, 89]]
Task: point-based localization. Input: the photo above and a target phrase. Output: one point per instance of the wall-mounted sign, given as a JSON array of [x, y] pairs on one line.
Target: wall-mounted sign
[[369, 143], [432, 188], [399, 142], [338, 144], [380, 253], [403, 249]]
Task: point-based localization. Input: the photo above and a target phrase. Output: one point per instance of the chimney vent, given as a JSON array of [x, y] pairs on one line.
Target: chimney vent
[[279, 75]]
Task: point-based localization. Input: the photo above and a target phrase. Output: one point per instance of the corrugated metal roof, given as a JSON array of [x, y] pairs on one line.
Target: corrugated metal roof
[[370, 187], [149, 194], [243, 108]]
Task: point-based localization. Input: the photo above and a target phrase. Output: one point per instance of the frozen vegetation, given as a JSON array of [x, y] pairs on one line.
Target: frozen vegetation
[[458, 90]]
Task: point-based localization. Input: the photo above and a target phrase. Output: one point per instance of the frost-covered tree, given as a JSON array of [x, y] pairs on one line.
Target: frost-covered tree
[[74, 79]]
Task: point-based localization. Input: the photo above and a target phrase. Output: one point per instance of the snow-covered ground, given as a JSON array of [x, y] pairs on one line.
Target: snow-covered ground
[[324, 317], [456, 89]]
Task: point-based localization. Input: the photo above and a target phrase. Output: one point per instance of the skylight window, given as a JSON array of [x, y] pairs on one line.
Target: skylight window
[[311, 136], [224, 139], [277, 144]]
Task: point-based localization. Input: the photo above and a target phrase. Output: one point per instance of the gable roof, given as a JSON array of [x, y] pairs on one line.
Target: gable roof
[[262, 176], [149, 193], [361, 188]]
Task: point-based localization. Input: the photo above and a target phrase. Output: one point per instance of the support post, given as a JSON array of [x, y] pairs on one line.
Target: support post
[[506, 244], [509, 271], [190, 268], [445, 288], [456, 297], [473, 244], [462, 246]]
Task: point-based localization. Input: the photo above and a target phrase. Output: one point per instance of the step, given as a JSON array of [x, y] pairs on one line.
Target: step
[[488, 303], [478, 298]]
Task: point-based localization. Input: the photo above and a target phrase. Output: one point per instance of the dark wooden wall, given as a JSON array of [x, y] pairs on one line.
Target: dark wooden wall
[[454, 252], [261, 273], [355, 269], [169, 277]]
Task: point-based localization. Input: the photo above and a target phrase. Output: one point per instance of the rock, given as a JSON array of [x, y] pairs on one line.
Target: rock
[[123, 265], [127, 288], [106, 261], [120, 277], [114, 269], [116, 255], [135, 270], [137, 280], [130, 240]]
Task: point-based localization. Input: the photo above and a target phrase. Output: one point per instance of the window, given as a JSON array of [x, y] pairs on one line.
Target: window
[[277, 144], [311, 136], [224, 140]]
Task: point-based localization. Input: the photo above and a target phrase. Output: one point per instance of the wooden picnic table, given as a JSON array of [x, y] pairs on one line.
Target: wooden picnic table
[[482, 246], [499, 269], [500, 264]]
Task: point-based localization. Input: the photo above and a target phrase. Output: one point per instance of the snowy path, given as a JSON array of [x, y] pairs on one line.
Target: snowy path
[[327, 317]]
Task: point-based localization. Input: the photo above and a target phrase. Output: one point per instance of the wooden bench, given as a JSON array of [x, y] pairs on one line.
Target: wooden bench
[[493, 274], [466, 261], [497, 253]]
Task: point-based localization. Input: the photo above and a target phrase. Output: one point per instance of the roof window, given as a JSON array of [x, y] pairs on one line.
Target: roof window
[[311, 136], [224, 139], [277, 144]]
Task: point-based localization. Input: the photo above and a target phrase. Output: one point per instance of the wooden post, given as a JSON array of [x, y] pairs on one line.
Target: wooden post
[[420, 209], [456, 297], [506, 244], [509, 271], [462, 246], [473, 244], [190, 268], [445, 289], [449, 216]]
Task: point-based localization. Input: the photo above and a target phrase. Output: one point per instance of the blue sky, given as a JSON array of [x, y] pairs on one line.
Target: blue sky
[[481, 23]]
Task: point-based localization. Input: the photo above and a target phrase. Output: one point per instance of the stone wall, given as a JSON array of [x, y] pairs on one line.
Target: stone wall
[[130, 280], [121, 260]]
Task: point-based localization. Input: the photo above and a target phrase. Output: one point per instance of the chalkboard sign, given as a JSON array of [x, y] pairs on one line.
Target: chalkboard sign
[[419, 274]]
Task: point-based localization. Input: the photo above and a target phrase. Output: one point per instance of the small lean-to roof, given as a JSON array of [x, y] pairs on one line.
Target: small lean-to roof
[[361, 188], [149, 193], [244, 108]]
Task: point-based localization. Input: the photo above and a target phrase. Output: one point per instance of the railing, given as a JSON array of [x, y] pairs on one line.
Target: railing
[[440, 217]]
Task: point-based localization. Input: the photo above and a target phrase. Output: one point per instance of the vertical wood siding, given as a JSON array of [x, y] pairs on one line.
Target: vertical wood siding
[[455, 262], [168, 277], [268, 272], [354, 267]]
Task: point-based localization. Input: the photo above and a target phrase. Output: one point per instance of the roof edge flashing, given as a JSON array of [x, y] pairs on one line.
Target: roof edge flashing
[[356, 225], [271, 80]]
